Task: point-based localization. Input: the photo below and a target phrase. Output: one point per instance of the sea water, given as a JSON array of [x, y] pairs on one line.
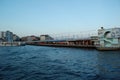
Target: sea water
[[50, 63]]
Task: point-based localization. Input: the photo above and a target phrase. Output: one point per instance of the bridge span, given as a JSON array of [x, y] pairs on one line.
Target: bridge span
[[64, 43]]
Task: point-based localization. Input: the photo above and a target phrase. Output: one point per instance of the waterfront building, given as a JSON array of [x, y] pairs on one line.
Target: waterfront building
[[15, 37], [109, 37], [2, 36], [45, 37], [30, 38], [9, 36], [23, 38], [9, 39]]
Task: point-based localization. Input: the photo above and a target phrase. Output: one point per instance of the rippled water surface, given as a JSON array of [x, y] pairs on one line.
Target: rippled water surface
[[50, 63]]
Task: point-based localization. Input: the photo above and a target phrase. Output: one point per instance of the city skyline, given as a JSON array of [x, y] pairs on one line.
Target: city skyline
[[37, 17]]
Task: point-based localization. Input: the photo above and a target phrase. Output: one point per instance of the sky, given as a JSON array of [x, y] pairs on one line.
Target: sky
[[36, 17]]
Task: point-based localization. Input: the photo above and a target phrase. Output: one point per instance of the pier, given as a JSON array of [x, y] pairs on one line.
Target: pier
[[106, 39], [65, 43], [75, 41]]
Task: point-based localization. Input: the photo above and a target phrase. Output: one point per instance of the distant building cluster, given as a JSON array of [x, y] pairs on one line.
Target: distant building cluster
[[8, 36], [30, 38], [35, 38]]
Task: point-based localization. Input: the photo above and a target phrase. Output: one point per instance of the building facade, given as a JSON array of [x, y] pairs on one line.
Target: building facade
[[109, 37], [2, 35], [9, 36], [30, 38], [45, 37], [15, 37]]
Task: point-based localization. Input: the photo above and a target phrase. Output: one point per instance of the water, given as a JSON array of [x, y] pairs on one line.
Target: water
[[50, 63]]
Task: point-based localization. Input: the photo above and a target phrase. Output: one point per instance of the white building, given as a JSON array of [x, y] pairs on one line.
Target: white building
[[109, 37], [45, 37]]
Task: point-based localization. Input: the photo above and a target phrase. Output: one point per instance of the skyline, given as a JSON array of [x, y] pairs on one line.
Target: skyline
[[37, 17]]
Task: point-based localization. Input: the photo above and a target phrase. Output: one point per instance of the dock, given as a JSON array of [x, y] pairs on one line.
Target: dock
[[65, 43], [107, 39]]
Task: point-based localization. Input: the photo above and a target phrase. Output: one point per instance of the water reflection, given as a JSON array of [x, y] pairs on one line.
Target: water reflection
[[109, 64]]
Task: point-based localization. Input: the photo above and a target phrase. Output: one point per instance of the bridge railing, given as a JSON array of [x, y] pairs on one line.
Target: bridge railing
[[73, 36]]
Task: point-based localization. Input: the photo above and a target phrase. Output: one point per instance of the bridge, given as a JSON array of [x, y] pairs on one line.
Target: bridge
[[81, 39], [106, 39]]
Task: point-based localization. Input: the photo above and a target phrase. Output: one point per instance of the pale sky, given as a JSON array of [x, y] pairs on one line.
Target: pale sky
[[36, 17]]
